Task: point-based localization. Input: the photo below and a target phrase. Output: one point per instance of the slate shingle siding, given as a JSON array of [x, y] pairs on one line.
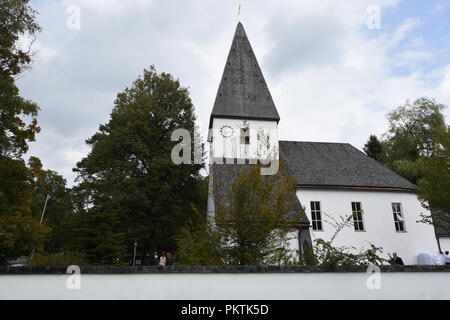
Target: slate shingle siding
[[243, 92]]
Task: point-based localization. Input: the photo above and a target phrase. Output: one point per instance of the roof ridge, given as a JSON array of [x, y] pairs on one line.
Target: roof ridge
[[324, 142]]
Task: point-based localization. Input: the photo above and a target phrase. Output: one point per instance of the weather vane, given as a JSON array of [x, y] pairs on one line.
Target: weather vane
[[239, 13]]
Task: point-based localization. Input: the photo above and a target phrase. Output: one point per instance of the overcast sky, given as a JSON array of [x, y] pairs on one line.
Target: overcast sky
[[331, 76]]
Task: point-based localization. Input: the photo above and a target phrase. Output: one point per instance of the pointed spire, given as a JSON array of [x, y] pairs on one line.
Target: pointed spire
[[243, 92]]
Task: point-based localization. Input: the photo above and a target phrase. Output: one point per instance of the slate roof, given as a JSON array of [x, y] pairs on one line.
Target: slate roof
[[225, 175], [243, 92], [441, 225], [318, 164]]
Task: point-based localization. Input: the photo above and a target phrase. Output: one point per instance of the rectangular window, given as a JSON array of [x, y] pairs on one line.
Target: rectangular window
[[245, 136], [358, 222], [399, 221], [316, 216]]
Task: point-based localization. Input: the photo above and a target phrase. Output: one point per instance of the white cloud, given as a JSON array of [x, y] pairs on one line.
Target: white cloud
[[402, 31], [331, 78]]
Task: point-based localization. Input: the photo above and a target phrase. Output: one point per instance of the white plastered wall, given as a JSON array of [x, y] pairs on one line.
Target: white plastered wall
[[230, 147], [378, 221]]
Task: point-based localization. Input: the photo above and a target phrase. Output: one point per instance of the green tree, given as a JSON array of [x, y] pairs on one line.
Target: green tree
[[253, 228], [20, 232], [416, 147], [198, 245], [17, 19], [412, 135], [374, 149], [59, 215], [129, 175], [434, 187], [99, 237], [419, 122], [15, 133]]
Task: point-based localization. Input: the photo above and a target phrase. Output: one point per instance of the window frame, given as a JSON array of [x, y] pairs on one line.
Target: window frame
[[314, 221], [357, 221], [396, 220], [245, 136]]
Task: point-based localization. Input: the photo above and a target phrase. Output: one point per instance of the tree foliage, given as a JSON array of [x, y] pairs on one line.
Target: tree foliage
[[20, 231], [58, 217], [434, 188], [17, 19], [129, 188], [128, 181], [412, 136], [15, 132], [57, 260], [327, 254], [413, 128], [416, 147], [198, 245], [252, 228], [374, 149]]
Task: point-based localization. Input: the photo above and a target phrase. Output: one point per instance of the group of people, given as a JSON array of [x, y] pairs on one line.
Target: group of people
[[444, 258], [164, 258]]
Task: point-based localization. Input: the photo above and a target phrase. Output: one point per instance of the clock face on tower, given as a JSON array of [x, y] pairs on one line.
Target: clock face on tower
[[226, 131]]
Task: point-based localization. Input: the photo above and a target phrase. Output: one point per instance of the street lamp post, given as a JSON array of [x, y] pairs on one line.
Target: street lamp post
[[45, 207], [134, 254], [47, 197]]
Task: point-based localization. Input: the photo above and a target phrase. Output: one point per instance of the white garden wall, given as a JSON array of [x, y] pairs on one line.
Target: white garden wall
[[229, 286], [378, 221]]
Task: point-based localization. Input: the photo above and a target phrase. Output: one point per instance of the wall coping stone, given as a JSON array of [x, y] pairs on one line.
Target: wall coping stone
[[6, 270]]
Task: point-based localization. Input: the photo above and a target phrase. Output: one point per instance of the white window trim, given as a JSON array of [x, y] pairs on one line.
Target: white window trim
[[403, 217], [321, 217], [362, 217]]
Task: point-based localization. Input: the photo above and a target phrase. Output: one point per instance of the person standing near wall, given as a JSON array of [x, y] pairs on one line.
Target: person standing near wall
[[396, 260], [162, 260]]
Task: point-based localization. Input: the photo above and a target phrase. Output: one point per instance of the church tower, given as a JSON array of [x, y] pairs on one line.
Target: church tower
[[244, 120], [243, 123]]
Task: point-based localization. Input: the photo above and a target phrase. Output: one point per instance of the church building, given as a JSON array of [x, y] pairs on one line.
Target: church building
[[332, 179]]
